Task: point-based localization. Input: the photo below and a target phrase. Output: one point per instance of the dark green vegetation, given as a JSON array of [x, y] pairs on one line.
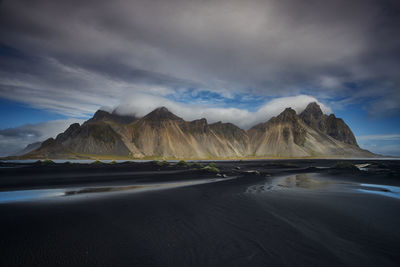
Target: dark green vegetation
[[183, 163], [44, 162], [211, 168]]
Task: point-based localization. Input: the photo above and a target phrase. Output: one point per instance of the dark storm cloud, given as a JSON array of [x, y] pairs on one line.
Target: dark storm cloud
[[78, 55]]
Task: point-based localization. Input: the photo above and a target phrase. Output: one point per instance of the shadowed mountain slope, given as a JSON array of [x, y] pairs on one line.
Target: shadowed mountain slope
[[330, 125]]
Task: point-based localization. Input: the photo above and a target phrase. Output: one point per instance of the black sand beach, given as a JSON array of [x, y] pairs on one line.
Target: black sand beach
[[263, 213]]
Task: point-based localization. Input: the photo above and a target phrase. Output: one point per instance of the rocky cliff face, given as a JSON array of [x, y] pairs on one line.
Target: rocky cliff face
[[51, 149], [96, 138], [163, 134], [307, 134], [330, 125], [283, 135]]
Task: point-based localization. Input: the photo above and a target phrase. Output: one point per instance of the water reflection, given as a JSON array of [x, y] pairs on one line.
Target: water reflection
[[40, 194], [26, 195], [303, 181], [383, 190], [306, 181]]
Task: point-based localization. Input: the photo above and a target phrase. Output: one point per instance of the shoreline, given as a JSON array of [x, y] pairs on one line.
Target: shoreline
[[119, 159]]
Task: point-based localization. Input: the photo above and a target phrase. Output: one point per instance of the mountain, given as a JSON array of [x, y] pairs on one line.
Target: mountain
[[29, 148], [162, 134], [309, 134], [51, 149], [284, 135], [95, 137]]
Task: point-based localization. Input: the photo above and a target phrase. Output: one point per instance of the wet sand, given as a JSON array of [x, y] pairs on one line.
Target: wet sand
[[265, 213]]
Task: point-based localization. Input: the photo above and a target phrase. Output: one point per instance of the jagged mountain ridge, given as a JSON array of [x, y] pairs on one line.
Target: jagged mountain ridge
[[330, 125], [163, 134], [288, 135]]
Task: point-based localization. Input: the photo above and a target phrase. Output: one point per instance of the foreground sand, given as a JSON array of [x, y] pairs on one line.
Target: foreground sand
[[286, 213]]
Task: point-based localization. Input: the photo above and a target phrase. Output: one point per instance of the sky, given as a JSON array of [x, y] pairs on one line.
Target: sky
[[227, 60]]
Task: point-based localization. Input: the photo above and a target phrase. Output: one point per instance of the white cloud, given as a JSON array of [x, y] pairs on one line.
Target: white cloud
[[15, 139], [141, 104], [383, 149], [298, 103], [379, 137], [384, 144]]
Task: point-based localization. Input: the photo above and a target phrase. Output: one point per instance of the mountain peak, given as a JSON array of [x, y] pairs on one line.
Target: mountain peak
[[314, 109], [162, 109], [67, 133], [102, 115], [161, 113], [289, 110], [202, 121], [288, 114], [312, 115]]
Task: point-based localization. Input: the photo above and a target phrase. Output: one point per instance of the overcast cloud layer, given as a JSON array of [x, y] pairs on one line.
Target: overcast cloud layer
[[75, 56]]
